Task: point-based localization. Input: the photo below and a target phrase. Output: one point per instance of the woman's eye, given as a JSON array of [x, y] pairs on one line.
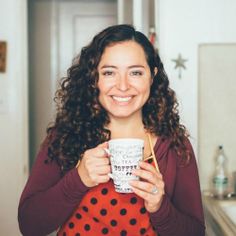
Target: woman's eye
[[136, 73], [108, 73]]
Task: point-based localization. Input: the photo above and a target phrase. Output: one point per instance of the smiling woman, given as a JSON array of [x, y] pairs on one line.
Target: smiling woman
[[117, 88], [124, 80]]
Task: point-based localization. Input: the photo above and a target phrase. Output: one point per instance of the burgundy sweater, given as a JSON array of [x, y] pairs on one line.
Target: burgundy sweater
[[49, 199]]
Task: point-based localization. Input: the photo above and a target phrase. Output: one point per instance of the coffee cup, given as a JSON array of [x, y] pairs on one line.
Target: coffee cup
[[125, 155]]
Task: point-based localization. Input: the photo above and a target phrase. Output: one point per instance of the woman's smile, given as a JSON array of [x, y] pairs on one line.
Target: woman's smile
[[122, 99]]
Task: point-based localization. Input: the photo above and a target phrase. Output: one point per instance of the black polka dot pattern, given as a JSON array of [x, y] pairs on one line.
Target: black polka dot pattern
[[71, 225], [143, 210], [93, 201], [85, 208], [123, 211], [133, 200], [104, 191], [113, 223], [133, 221], [103, 212], [105, 230], [113, 202], [123, 233], [78, 216], [87, 227], [142, 231]]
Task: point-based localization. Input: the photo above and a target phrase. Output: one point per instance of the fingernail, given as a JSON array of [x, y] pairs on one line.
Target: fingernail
[[106, 151], [110, 175]]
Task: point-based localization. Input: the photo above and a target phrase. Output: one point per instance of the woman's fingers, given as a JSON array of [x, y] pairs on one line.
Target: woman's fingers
[[143, 186], [143, 194], [103, 170], [94, 166], [146, 166], [99, 151], [150, 187], [96, 161], [100, 174], [148, 176], [102, 179], [152, 195]]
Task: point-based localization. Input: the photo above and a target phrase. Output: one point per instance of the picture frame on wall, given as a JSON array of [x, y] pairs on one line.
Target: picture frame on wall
[[3, 56]]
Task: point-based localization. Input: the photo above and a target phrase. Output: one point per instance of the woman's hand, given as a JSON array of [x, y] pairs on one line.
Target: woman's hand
[[94, 166], [150, 187]]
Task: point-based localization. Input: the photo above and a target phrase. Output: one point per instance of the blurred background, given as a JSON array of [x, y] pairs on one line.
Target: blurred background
[[39, 38]]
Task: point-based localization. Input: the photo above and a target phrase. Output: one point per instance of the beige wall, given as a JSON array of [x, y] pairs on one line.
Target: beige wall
[[183, 26], [13, 113], [217, 109]]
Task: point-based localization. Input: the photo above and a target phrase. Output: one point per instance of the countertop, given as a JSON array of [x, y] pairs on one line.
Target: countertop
[[218, 222]]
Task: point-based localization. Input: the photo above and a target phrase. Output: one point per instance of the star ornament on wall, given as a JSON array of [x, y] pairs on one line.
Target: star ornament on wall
[[180, 64]]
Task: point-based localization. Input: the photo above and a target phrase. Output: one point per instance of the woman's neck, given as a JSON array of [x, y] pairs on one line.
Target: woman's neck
[[126, 128]]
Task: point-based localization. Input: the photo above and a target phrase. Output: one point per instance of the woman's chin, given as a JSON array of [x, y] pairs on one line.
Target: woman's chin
[[124, 114]]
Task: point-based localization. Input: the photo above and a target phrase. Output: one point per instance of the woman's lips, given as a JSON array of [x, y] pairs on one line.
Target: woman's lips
[[122, 99]]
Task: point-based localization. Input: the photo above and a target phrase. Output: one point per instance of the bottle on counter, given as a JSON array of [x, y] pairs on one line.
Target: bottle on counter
[[220, 178]]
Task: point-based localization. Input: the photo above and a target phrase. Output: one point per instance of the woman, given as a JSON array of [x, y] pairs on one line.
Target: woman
[[117, 88]]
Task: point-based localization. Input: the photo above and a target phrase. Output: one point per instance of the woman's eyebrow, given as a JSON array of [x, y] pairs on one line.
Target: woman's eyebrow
[[135, 66], [129, 67], [108, 66]]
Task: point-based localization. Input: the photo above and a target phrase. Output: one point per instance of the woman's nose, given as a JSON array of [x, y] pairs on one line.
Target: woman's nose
[[123, 83]]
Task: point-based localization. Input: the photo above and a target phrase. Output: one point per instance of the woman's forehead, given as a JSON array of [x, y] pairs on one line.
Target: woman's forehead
[[123, 53]]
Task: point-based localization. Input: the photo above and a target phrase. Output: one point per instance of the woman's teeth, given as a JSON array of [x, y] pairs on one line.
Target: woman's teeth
[[121, 99]]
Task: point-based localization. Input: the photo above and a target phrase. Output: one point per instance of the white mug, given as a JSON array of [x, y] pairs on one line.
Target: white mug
[[125, 155]]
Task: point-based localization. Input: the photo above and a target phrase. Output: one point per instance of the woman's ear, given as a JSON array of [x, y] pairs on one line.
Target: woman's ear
[[155, 71]]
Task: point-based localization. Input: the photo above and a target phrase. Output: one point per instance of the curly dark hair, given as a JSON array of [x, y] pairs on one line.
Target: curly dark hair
[[81, 120]]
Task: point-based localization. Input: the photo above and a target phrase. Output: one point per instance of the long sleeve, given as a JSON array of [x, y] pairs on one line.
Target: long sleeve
[[181, 212], [48, 199]]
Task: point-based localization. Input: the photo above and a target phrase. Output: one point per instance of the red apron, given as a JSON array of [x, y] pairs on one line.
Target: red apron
[[103, 211]]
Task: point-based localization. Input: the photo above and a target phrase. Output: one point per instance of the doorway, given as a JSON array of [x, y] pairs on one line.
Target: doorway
[[58, 29]]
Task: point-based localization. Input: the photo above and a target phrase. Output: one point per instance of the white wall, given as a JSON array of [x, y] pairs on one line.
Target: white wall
[[184, 25], [217, 111], [40, 67], [13, 113]]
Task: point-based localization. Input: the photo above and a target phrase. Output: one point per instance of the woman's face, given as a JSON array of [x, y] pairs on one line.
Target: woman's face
[[124, 79]]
